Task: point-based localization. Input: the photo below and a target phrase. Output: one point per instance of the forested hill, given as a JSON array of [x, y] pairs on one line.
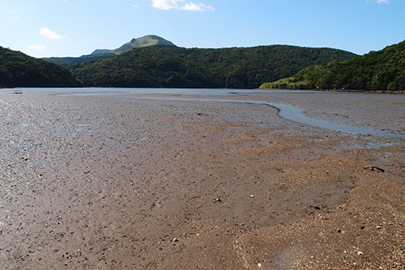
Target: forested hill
[[20, 70], [382, 70], [169, 66]]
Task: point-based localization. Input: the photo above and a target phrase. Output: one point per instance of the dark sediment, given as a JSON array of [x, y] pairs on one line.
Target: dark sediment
[[119, 182]]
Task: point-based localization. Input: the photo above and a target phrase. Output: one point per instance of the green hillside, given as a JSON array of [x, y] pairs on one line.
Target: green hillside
[[382, 70], [20, 70], [169, 66], [81, 59]]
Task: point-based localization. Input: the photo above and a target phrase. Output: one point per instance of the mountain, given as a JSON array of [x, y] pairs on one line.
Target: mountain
[[170, 66], [20, 70], [150, 40], [381, 70], [101, 51]]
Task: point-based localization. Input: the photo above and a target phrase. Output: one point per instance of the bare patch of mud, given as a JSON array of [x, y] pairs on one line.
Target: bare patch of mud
[[119, 182]]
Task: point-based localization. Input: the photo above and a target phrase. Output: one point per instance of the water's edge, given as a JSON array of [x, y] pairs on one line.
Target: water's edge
[[294, 114], [283, 110]]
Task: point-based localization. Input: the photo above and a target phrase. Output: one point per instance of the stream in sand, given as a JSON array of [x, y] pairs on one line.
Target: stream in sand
[[284, 110], [187, 178]]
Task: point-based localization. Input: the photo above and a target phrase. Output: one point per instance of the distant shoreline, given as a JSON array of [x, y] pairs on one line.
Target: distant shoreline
[[343, 90], [318, 90]]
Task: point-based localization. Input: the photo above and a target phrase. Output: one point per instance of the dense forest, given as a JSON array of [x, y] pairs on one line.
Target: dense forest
[[169, 66], [20, 70], [80, 59], [382, 70]]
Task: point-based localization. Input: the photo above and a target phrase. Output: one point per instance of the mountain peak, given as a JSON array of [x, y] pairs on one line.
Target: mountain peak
[[145, 41]]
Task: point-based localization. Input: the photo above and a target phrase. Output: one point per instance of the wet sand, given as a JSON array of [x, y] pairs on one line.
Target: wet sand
[[136, 181]]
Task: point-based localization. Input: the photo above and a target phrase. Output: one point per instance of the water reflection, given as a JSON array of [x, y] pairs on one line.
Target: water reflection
[[285, 111], [296, 115]]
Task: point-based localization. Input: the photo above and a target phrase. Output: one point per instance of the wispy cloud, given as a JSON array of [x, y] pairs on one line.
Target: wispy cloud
[[49, 34], [179, 4], [135, 6], [379, 1], [37, 47], [194, 7], [14, 14]]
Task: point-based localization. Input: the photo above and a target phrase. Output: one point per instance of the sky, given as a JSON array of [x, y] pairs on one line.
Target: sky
[[44, 28]]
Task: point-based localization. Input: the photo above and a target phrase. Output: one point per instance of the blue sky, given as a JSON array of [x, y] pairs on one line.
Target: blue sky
[[44, 28]]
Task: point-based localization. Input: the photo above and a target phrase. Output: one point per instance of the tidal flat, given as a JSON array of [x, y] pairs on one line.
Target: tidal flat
[[179, 180]]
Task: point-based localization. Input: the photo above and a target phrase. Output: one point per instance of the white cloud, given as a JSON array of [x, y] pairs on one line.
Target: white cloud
[[135, 6], [165, 4], [179, 4], [49, 34], [193, 7], [37, 47]]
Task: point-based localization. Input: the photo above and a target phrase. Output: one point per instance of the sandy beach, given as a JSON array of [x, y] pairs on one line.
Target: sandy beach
[[156, 181]]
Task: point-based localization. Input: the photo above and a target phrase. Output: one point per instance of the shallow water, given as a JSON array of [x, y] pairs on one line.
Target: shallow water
[[285, 111], [184, 91], [296, 115]]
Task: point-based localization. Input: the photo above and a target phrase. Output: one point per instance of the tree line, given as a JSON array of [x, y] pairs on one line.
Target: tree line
[[169, 66], [20, 70], [381, 70]]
